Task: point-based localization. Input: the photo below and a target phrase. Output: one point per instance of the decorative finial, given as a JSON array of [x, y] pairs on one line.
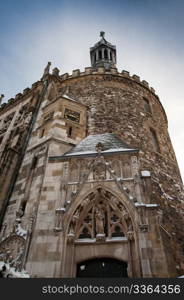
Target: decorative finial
[[1, 98], [47, 69], [99, 147], [102, 34], [55, 72]]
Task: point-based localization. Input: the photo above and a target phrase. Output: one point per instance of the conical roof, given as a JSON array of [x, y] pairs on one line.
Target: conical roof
[[102, 41]]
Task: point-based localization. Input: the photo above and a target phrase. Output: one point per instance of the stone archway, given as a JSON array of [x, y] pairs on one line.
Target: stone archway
[[100, 226]]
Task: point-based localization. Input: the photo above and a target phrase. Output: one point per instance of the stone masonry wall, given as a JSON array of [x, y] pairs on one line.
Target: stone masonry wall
[[116, 104]]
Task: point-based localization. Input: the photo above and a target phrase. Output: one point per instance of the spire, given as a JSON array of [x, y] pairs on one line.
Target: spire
[[103, 53], [47, 69]]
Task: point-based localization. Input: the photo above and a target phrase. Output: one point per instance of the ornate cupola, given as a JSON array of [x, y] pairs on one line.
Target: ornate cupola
[[103, 54]]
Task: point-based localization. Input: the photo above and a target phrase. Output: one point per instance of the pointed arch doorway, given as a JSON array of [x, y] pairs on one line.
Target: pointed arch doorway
[[102, 267], [100, 227]]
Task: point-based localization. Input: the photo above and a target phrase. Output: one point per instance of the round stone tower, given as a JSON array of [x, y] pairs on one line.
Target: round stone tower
[[127, 107], [98, 192]]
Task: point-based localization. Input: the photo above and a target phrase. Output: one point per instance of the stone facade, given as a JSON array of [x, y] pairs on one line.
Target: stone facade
[[88, 171]]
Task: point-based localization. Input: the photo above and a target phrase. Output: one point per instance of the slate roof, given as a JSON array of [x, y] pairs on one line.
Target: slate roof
[[103, 42], [111, 144]]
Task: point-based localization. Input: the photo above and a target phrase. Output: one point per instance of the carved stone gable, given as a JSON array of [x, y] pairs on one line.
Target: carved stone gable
[[100, 216]]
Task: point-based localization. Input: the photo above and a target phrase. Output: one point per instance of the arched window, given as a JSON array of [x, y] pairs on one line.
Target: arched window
[[70, 132], [117, 232], [154, 140], [106, 218], [23, 207], [100, 54], [34, 162], [147, 107], [42, 133], [105, 54], [1, 139]]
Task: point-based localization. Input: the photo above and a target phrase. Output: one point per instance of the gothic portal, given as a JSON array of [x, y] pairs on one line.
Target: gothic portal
[[89, 182]]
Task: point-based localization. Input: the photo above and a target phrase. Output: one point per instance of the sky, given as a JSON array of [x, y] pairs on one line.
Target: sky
[[148, 35]]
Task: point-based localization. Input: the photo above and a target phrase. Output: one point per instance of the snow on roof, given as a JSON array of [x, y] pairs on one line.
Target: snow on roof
[[69, 98], [151, 205], [95, 152], [110, 142]]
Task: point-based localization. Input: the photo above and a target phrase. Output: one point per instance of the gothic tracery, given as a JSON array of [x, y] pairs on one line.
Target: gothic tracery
[[102, 216]]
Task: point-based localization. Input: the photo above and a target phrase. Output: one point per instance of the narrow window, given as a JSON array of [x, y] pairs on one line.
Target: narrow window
[[105, 54], [22, 208], [110, 55], [147, 107], [42, 133], [154, 140], [100, 54], [70, 132], [34, 162]]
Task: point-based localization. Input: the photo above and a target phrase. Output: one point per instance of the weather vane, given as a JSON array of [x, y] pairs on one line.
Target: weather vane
[[102, 33]]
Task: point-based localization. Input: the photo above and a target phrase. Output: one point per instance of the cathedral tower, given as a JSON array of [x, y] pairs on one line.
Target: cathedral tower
[[103, 54], [90, 184]]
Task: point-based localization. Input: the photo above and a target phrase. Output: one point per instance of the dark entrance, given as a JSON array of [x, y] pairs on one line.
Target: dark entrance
[[102, 267]]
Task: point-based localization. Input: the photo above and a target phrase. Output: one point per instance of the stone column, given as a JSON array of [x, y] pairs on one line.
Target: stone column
[[145, 261], [135, 175], [113, 58], [103, 53], [93, 58]]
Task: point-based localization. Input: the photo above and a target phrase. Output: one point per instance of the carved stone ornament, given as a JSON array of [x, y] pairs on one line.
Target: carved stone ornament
[[143, 227], [55, 72], [47, 69], [99, 171], [99, 147], [6, 123], [59, 219], [130, 235], [27, 119], [100, 216], [12, 247]]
